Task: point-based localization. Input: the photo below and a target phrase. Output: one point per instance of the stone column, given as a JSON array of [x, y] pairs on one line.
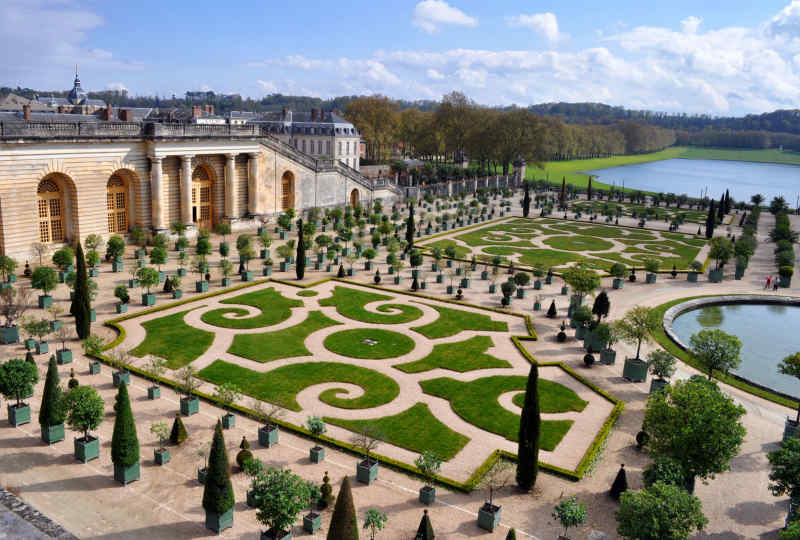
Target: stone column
[[156, 194], [186, 189], [231, 211], [253, 192]]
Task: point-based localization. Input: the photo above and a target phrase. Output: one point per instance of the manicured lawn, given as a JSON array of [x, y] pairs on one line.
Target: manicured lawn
[[461, 356], [350, 303], [286, 343], [546, 257], [415, 429], [274, 309], [307, 293], [476, 402], [495, 235], [352, 343], [461, 251], [281, 385], [171, 338], [578, 243], [452, 321]]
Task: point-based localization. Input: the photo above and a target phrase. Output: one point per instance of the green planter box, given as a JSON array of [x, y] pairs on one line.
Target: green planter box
[[55, 326], [125, 474], [635, 370], [177, 294], [608, 357], [785, 282], [121, 376], [19, 415], [133, 283], [268, 436], [201, 286], [161, 456], [350, 272], [12, 278], [465, 283], [450, 289], [312, 522], [492, 288], [117, 266], [427, 495], [651, 278], [94, 368], [190, 406], [93, 272], [121, 308], [367, 471], [64, 356], [715, 276], [548, 280], [86, 451], [247, 275], [140, 253], [219, 522], [253, 500], [226, 282], [154, 392], [537, 285], [439, 278], [53, 434], [264, 254], [459, 271], [564, 291], [423, 285], [520, 293], [162, 277], [285, 266], [658, 384], [273, 535], [489, 517], [537, 306], [149, 299], [93, 315], [397, 280], [9, 335], [42, 347], [45, 301], [691, 277], [181, 272], [316, 454], [790, 429], [228, 421], [618, 283], [266, 271]]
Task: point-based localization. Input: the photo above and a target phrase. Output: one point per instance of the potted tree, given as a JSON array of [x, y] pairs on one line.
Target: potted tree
[[218, 499], [119, 359], [694, 269], [374, 521], [244, 245], [121, 293], [45, 279], [635, 328], [570, 513], [175, 285], [17, 378], [200, 266], [93, 348], [183, 260], [265, 240], [161, 453], [13, 305], [791, 366], [721, 251], [607, 335], [223, 229], [156, 366], [282, 495], [651, 265], [64, 355], [39, 328], [312, 522], [179, 228], [148, 278], [521, 279], [581, 317], [84, 408], [538, 273], [367, 439], [785, 272], [662, 366], [115, 248], [397, 268], [267, 271], [618, 271], [190, 404], [139, 238], [253, 468], [369, 254], [268, 433], [226, 268], [124, 442], [429, 464], [7, 267], [317, 427], [202, 472], [497, 477], [64, 259], [93, 260], [227, 394], [158, 256], [51, 413]]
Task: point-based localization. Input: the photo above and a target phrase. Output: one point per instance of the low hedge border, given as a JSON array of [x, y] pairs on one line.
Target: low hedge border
[[462, 229], [662, 339]]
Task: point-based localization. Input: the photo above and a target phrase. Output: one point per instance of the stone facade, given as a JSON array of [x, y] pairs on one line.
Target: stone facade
[[200, 175]]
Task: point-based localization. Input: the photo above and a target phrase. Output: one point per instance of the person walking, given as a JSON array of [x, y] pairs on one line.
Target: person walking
[[766, 285], [775, 285]]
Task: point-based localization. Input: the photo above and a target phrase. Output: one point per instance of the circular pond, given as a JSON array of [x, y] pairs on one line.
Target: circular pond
[[369, 343], [768, 332]]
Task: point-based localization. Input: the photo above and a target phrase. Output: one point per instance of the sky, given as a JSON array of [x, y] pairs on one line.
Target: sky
[[719, 58]]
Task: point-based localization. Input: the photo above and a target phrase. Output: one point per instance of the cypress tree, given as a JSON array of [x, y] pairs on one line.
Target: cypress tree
[[344, 525], [727, 202], [711, 221], [563, 196], [589, 189], [410, 228], [178, 433], [425, 530], [218, 491], [526, 201], [340, 273], [529, 428], [551, 311], [512, 535], [80, 304], [300, 265], [620, 484], [51, 413], [721, 208], [124, 442]]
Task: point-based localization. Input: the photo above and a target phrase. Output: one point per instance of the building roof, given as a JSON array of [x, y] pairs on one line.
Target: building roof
[[327, 123], [14, 102], [47, 117]]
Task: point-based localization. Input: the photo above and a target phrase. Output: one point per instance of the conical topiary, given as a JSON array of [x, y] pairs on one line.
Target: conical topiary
[[300, 259], [512, 535], [80, 307], [344, 525], [178, 433], [551, 311], [29, 358], [51, 413], [529, 429], [124, 442], [620, 484], [425, 530], [218, 491], [73, 382], [244, 454], [326, 498], [340, 273]]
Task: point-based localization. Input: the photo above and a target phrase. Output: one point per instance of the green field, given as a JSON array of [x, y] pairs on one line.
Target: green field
[[461, 356], [172, 339], [286, 343]]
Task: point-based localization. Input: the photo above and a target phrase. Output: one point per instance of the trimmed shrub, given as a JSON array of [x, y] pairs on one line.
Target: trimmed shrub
[[218, 490], [344, 525], [124, 442], [178, 433]]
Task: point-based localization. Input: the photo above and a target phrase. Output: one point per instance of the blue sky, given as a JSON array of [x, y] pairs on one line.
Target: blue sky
[[712, 57]]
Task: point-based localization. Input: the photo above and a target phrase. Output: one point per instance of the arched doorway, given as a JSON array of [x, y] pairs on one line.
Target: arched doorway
[[354, 198], [51, 212], [287, 191], [117, 205], [201, 199]]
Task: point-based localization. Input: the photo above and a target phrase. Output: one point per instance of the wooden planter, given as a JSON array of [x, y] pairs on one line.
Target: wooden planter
[[219, 522], [190, 405], [312, 522], [125, 474], [608, 357], [317, 454], [161, 456], [715, 276], [618, 283], [253, 500], [247, 275], [275, 535], [201, 286], [177, 293], [154, 392], [19, 414], [635, 370], [121, 308], [53, 434], [790, 429], [86, 451], [367, 471], [94, 368], [9, 335], [427, 495], [202, 473], [651, 278], [658, 384], [42, 347], [64, 356], [228, 421], [489, 517], [268, 436], [226, 282], [45, 301], [121, 376], [149, 299]]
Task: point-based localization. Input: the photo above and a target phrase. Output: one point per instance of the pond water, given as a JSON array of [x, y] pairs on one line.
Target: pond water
[[690, 176], [768, 333]]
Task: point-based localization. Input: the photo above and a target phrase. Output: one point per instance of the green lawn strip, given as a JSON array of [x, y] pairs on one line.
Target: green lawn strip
[[476, 403], [461, 251], [274, 308], [578, 243], [286, 343], [467, 355], [307, 293], [546, 257], [452, 321], [352, 343], [415, 429], [171, 338], [560, 398], [350, 303], [281, 385], [494, 235]]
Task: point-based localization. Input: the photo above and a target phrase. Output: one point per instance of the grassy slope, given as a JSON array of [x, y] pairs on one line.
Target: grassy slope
[[165, 332], [286, 343]]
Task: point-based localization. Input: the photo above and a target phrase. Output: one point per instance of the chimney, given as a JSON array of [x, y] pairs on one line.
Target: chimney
[[125, 115], [109, 113], [209, 108], [26, 112], [196, 111]]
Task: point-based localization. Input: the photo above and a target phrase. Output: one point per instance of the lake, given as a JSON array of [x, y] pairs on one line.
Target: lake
[[690, 176], [767, 332]]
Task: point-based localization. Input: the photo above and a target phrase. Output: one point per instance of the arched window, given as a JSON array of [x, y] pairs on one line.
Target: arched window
[[354, 198], [116, 205], [287, 190], [51, 212]]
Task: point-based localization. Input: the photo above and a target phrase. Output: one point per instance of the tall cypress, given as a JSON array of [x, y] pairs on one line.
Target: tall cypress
[[512, 535], [218, 491], [300, 265], [727, 201], [124, 442], [425, 529], [563, 196], [344, 525], [529, 429], [589, 189], [721, 208], [51, 412], [410, 228], [80, 307], [711, 220], [526, 201]]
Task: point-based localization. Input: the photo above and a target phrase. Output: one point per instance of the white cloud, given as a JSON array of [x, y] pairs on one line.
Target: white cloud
[[473, 77], [691, 24], [786, 22], [116, 86], [544, 24], [431, 15], [436, 76], [267, 86]]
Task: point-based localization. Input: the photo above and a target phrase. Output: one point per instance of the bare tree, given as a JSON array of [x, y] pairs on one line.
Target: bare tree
[[41, 250], [268, 413], [497, 477], [13, 304], [367, 438]]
